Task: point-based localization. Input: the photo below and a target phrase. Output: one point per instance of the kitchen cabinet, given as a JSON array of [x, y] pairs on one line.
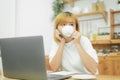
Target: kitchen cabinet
[[112, 41], [109, 65], [99, 15], [101, 42], [114, 22]]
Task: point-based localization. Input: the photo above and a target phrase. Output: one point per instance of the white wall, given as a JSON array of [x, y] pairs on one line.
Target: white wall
[[7, 18], [33, 17]]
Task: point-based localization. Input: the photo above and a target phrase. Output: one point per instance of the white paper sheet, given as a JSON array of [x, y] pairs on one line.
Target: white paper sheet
[[64, 73]]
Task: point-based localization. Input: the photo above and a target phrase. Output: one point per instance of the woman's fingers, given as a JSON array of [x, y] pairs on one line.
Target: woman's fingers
[[58, 35], [76, 34]]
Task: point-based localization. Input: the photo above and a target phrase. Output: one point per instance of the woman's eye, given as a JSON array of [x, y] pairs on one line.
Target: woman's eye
[[71, 24], [63, 24]]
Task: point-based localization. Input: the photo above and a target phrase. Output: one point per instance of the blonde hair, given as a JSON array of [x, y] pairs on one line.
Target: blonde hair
[[62, 18]]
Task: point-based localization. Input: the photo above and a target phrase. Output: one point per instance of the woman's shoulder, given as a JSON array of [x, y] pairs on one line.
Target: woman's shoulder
[[84, 38], [85, 42], [54, 43]]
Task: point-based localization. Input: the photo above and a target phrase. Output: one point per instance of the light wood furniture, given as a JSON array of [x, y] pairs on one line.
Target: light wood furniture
[[101, 42], [109, 65], [112, 21], [106, 44], [112, 28], [93, 15], [103, 77], [112, 41], [99, 77]]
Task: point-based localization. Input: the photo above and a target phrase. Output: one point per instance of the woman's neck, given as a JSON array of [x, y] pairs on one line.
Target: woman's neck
[[68, 39]]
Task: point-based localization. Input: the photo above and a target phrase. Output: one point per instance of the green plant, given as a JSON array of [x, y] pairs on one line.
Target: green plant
[[118, 1], [57, 6]]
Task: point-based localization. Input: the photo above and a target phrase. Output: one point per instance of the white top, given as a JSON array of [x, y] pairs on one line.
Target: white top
[[71, 60]]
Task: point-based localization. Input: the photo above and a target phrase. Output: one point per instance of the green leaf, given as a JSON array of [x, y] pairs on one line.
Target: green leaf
[[57, 7]]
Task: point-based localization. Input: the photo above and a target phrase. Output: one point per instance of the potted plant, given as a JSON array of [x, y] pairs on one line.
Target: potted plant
[[57, 6], [119, 3]]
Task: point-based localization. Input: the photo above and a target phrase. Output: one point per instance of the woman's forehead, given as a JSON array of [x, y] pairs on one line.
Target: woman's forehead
[[68, 20]]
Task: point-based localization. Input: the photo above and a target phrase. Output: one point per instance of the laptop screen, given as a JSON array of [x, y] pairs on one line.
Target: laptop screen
[[23, 58]]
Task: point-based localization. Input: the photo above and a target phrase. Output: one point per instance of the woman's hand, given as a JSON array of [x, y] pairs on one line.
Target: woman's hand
[[59, 36], [76, 36]]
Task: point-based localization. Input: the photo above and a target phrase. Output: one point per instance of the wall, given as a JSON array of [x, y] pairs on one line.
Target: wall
[[7, 18], [33, 17]]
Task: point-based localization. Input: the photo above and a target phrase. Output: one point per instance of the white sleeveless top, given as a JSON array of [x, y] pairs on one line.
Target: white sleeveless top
[[71, 60]]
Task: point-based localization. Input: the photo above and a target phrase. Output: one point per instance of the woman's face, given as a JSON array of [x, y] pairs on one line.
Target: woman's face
[[70, 23]]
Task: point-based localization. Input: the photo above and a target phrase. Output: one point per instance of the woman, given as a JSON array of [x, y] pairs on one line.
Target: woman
[[71, 51]]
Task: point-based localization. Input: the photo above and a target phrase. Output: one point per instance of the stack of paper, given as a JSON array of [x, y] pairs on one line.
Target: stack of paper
[[64, 73]]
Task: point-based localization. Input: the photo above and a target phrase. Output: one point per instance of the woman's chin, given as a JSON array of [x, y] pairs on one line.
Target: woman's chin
[[67, 37]]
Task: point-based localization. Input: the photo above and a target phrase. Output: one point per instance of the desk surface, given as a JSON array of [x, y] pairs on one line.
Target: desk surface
[[99, 77]]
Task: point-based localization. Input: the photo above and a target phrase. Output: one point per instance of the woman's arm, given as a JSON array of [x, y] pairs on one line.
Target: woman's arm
[[55, 64], [87, 60]]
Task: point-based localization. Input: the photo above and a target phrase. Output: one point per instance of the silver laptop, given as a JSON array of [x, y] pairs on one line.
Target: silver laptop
[[24, 58]]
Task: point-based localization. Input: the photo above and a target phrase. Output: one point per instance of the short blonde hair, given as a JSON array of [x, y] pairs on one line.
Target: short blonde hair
[[62, 18]]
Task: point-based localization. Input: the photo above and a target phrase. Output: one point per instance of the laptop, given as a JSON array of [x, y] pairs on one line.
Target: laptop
[[24, 58]]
